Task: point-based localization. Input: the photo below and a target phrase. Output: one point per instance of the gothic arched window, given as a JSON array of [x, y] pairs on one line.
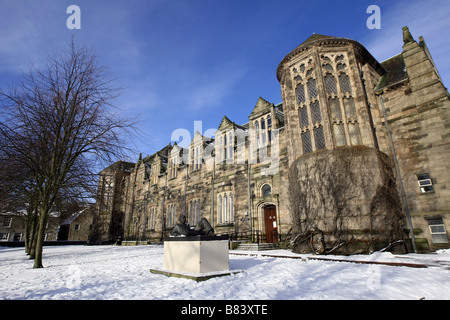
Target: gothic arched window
[[266, 190]]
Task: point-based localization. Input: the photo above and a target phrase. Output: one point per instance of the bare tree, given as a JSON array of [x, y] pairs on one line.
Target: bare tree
[[59, 123]]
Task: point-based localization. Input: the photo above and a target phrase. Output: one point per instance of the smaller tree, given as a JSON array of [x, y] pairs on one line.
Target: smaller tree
[[60, 124]]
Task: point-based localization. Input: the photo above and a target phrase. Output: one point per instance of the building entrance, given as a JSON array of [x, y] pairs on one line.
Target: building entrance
[[270, 217]]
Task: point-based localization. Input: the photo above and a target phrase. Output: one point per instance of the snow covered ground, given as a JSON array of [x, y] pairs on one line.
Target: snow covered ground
[[122, 272]]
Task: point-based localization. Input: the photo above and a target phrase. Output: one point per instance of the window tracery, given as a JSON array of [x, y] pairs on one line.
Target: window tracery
[[309, 109], [344, 117], [225, 209]]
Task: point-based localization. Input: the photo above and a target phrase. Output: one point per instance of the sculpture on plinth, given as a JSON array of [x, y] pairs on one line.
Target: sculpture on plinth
[[195, 253], [183, 229]]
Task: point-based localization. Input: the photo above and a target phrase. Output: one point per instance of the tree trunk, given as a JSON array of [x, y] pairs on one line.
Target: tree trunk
[[28, 227], [40, 237], [33, 234]]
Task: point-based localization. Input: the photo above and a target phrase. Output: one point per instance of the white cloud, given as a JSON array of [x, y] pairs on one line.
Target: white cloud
[[213, 88]]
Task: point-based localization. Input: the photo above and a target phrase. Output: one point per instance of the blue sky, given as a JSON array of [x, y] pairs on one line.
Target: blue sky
[[182, 61]]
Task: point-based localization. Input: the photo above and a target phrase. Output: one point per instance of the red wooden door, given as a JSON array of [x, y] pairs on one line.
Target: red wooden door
[[270, 216]]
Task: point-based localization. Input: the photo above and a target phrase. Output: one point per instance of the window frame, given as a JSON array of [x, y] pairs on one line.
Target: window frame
[[7, 224], [425, 183], [437, 236]]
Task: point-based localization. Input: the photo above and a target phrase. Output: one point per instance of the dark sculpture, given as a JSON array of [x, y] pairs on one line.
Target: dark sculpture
[[183, 229]]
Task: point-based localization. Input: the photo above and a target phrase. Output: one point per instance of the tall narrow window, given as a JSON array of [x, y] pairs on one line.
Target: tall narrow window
[[344, 82], [257, 134], [355, 137], [225, 147], [339, 134], [300, 93], [225, 209], [263, 131], [196, 159], [230, 146], [231, 215], [330, 84], [304, 122], [197, 211], [350, 109], [319, 137], [174, 214], [306, 140], [221, 149], [312, 90], [151, 219], [219, 211], [315, 112], [171, 213], [335, 109], [174, 168], [269, 128]]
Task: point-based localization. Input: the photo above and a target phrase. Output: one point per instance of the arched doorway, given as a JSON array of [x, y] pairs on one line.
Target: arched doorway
[[270, 219]]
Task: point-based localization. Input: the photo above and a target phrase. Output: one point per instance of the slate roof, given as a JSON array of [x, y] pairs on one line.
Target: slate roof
[[120, 166], [395, 72], [316, 36]]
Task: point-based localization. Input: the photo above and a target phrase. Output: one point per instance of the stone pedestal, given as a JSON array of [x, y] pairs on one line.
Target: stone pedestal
[[196, 255], [199, 258]]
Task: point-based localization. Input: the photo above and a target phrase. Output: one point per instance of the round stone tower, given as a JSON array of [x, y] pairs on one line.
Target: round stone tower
[[342, 192], [324, 95]]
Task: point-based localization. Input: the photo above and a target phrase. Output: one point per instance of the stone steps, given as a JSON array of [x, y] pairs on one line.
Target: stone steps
[[256, 246]]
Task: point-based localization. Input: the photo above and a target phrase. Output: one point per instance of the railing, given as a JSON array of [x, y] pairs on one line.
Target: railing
[[256, 236]]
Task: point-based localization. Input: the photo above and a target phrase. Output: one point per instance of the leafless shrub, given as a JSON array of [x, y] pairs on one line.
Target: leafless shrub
[[343, 201]]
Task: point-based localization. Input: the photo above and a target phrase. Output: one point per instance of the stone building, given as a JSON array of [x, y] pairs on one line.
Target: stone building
[[12, 227], [386, 124], [77, 227]]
